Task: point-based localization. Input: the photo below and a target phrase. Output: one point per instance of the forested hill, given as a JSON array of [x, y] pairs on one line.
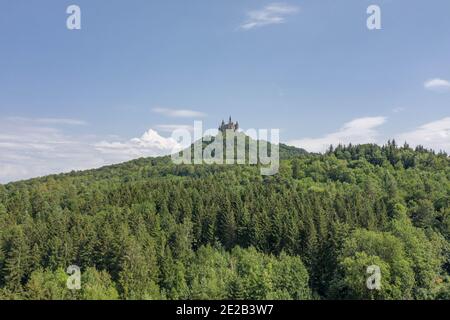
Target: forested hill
[[149, 229], [163, 164]]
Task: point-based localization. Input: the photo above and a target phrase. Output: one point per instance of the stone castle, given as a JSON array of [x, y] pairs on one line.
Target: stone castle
[[229, 126]]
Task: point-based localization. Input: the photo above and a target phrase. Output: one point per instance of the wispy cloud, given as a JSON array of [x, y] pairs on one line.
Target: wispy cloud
[[172, 127], [433, 135], [361, 130], [179, 113], [148, 145], [33, 148], [30, 149], [49, 121], [274, 13], [437, 84]]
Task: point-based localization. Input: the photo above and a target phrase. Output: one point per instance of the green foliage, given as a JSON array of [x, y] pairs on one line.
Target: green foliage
[[425, 254], [149, 229], [48, 285], [290, 279], [367, 248], [97, 285], [211, 275]]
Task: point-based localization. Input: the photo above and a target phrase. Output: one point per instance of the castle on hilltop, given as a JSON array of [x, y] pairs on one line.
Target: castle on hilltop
[[229, 126]]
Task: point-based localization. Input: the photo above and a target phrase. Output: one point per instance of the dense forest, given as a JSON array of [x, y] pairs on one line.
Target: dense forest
[[149, 229]]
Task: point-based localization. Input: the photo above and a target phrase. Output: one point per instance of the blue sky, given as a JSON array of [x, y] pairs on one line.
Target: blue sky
[[112, 91]]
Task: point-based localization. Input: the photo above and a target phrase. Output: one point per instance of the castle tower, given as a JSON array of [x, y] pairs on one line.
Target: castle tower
[[229, 126]]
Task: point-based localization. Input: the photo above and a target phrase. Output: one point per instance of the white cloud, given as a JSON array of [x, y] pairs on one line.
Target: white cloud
[[361, 130], [437, 85], [179, 113], [274, 13], [31, 149], [49, 121], [434, 135], [151, 144], [172, 127]]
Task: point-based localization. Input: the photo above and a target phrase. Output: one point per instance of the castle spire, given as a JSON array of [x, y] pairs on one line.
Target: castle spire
[[229, 126]]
